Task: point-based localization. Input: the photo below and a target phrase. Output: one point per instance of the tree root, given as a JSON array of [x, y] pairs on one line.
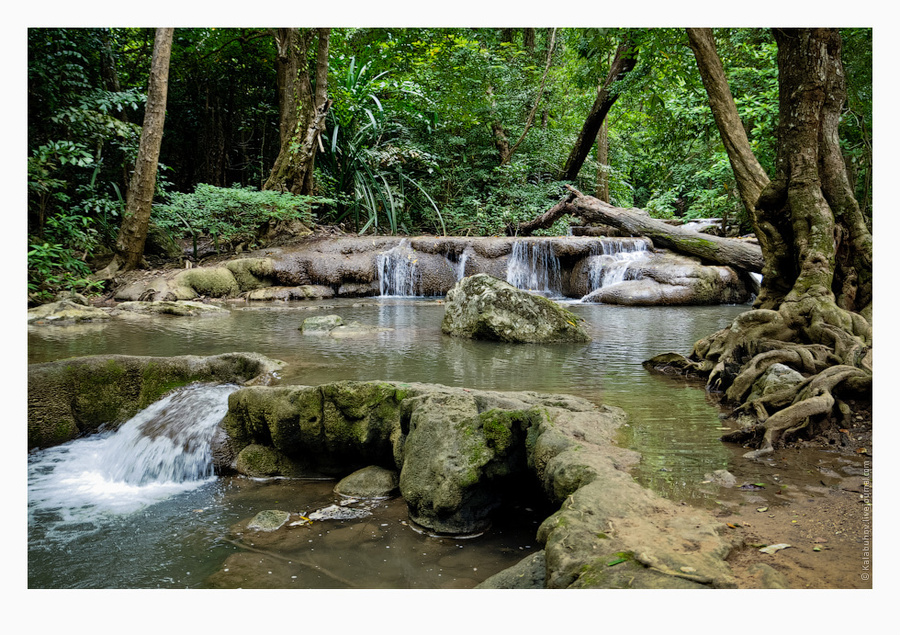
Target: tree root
[[829, 346]]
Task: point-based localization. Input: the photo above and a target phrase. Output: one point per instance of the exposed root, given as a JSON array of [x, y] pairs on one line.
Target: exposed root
[[829, 346]]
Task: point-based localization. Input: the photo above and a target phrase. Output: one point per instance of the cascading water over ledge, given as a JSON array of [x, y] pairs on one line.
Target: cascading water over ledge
[[532, 266], [614, 264], [397, 273], [162, 451]]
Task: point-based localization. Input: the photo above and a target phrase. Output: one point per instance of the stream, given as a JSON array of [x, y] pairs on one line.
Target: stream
[[192, 536]]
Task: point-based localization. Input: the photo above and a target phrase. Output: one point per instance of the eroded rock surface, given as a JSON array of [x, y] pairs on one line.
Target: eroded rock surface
[[459, 450], [73, 396], [483, 307]]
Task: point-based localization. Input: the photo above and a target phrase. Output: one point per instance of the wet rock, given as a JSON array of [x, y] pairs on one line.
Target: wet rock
[[529, 573], [458, 451], [722, 478], [269, 520], [369, 482], [483, 307], [302, 292], [777, 377], [320, 324], [75, 396], [337, 512], [355, 329], [65, 312], [184, 308]]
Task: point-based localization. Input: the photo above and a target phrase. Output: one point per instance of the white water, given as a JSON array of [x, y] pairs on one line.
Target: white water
[[398, 275], [162, 451], [532, 266], [615, 264]]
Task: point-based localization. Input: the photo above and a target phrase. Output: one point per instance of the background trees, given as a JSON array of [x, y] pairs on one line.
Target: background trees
[[410, 141]]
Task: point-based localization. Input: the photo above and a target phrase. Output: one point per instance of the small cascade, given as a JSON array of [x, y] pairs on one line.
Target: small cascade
[[162, 451], [459, 266], [398, 275], [614, 264], [532, 266]]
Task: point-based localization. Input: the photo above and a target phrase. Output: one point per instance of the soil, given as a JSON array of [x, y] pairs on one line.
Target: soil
[[814, 497]]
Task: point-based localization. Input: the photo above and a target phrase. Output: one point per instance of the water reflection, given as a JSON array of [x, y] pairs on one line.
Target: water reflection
[[674, 426]]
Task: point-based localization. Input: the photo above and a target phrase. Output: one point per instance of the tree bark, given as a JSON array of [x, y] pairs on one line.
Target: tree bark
[[750, 176], [624, 61], [815, 307], [302, 111], [139, 200], [603, 162]]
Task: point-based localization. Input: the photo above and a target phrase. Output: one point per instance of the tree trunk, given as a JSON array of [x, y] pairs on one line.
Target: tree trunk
[[748, 173], [624, 61], [139, 200], [603, 162], [816, 313], [302, 111]]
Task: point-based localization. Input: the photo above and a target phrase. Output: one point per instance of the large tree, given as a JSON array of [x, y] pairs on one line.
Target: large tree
[[302, 107], [815, 308], [129, 250]]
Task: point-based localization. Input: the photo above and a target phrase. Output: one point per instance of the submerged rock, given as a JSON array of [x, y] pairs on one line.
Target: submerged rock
[[483, 307], [321, 324], [269, 520]]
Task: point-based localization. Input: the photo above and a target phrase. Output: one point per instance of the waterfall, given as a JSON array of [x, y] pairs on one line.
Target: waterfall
[[162, 451], [532, 266], [459, 267], [398, 275], [614, 264]]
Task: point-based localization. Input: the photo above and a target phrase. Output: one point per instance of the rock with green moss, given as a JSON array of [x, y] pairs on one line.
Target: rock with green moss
[[215, 282], [320, 324], [460, 452], [65, 312], [369, 482], [485, 308], [269, 520], [78, 395]]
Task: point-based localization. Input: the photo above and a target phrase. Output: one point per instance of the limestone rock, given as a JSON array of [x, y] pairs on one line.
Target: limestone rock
[[65, 312], [369, 482], [483, 307], [529, 573], [777, 377], [320, 324], [77, 395], [269, 520]]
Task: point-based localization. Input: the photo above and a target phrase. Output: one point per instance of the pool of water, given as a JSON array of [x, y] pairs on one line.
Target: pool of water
[[194, 538]]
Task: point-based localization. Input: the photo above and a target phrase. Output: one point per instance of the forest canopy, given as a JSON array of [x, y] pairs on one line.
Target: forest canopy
[[418, 130]]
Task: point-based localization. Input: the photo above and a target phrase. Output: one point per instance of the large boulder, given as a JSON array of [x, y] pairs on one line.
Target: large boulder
[[461, 452], [483, 307], [74, 396]]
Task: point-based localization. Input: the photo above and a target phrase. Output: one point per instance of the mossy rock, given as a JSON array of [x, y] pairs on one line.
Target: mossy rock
[[215, 282], [78, 395], [484, 308]]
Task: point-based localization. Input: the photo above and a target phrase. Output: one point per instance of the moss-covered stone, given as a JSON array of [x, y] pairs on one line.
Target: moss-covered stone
[[215, 282], [261, 461], [78, 395], [251, 273], [483, 307]]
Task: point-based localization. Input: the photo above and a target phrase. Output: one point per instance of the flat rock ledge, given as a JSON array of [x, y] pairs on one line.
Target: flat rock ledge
[[458, 451], [71, 397]]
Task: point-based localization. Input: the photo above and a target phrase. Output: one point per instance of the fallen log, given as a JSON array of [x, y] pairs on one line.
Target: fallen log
[[732, 252]]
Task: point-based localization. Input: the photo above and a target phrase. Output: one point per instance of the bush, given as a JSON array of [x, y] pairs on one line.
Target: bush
[[232, 214]]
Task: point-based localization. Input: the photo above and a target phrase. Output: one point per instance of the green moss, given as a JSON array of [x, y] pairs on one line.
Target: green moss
[[156, 381]]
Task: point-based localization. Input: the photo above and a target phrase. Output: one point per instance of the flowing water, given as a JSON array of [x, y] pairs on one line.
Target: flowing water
[[96, 523]]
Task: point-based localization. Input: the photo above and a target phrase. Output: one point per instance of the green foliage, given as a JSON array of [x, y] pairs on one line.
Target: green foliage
[[230, 215]]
